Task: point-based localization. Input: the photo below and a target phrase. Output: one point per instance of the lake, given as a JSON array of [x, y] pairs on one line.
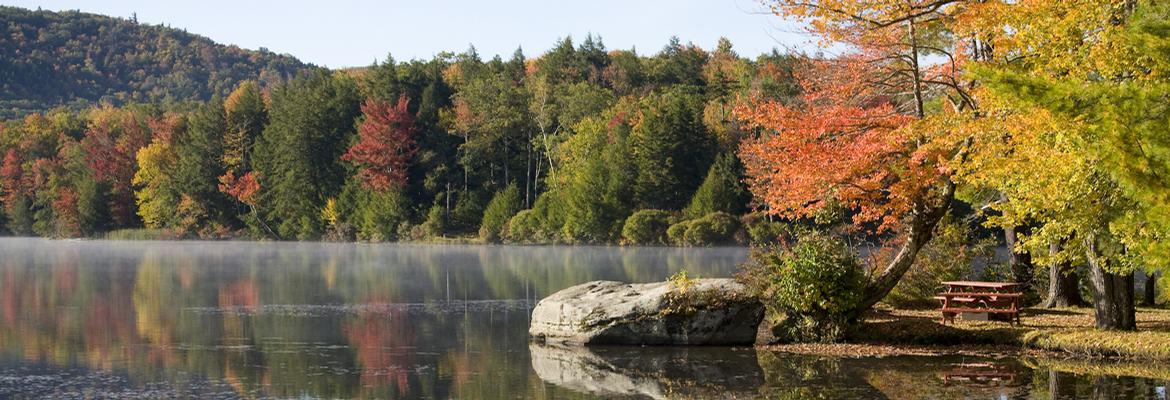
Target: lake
[[106, 319]]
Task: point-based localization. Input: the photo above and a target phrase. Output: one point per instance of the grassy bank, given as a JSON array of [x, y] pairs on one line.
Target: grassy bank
[[1060, 333]]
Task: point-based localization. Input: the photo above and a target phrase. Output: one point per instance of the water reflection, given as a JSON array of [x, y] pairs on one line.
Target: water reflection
[[258, 320], [657, 373]]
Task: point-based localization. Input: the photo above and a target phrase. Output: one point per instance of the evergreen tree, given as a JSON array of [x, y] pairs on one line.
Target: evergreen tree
[[671, 149], [200, 153], [298, 157], [505, 204], [721, 191]]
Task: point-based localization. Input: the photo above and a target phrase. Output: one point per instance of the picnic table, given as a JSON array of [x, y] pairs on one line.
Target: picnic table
[[992, 298]]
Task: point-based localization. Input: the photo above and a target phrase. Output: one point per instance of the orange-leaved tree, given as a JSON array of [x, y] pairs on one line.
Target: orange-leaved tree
[[874, 129]]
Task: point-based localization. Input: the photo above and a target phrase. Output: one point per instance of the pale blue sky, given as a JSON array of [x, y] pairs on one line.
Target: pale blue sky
[[343, 33]]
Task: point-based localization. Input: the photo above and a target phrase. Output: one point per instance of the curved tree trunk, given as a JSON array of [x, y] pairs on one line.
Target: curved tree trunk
[[1112, 293], [922, 223], [1064, 284]]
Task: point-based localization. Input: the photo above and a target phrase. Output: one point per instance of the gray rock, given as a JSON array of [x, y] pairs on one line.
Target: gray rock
[[707, 312]]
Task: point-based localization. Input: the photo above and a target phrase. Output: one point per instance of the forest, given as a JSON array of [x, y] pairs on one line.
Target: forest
[[559, 148], [77, 59]]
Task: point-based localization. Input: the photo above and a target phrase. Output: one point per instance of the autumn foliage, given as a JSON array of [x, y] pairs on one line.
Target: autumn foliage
[[385, 146], [833, 146], [243, 188]]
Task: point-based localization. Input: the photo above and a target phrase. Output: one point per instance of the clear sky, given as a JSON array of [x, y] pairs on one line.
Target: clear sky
[[341, 33]]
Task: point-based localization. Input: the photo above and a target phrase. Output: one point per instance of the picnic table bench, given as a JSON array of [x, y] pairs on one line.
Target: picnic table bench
[[993, 298]]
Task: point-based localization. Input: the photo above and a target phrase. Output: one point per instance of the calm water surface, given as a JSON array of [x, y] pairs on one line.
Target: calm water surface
[[95, 319]]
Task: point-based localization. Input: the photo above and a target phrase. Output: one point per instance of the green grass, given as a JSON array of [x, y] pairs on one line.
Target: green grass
[[141, 234]]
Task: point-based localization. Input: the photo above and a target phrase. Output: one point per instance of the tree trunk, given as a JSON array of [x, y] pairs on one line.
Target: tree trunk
[[1149, 299], [1112, 293], [922, 223], [1064, 284], [1020, 263]]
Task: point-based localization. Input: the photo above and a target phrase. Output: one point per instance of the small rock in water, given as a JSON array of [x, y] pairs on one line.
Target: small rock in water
[[704, 312]]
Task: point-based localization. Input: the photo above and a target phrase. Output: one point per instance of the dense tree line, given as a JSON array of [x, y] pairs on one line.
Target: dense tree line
[[76, 59], [561, 147]]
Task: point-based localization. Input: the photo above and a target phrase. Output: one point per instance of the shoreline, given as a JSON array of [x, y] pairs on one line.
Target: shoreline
[[1064, 334]]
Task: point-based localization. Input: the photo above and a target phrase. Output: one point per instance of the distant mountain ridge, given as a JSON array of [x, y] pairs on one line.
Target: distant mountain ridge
[[76, 59]]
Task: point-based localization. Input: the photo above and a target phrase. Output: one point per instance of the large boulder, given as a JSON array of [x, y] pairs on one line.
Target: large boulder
[[695, 312]]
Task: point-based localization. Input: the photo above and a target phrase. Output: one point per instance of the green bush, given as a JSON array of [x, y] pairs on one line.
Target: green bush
[[713, 229], [436, 223], [647, 227], [676, 233], [468, 212], [524, 227], [540, 224], [815, 286], [504, 205], [762, 232]]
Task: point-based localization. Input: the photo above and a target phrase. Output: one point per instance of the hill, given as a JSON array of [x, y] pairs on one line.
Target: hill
[[75, 59]]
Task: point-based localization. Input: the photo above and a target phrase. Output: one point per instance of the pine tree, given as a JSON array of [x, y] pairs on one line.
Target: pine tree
[[671, 149], [298, 157], [721, 191]]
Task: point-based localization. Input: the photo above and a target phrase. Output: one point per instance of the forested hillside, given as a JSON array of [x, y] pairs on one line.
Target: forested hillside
[[581, 144], [76, 59]]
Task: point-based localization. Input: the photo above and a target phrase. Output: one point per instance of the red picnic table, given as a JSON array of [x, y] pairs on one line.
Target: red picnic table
[[980, 297]]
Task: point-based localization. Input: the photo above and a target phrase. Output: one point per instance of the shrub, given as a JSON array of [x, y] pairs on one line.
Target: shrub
[[436, 223], [815, 286], [504, 205], [647, 227], [948, 257], [762, 232], [524, 227], [713, 229], [675, 233]]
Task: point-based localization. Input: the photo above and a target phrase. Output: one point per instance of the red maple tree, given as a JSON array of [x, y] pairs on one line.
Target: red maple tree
[[11, 178], [385, 145]]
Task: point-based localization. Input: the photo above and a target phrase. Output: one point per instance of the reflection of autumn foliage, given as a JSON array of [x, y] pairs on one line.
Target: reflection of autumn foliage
[[9, 297], [109, 326], [65, 315], [383, 344], [241, 293]]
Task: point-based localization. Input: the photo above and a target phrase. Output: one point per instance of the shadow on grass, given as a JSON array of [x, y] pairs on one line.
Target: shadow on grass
[[921, 330]]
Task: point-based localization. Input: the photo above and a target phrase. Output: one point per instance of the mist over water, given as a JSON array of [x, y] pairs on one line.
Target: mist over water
[[109, 319]]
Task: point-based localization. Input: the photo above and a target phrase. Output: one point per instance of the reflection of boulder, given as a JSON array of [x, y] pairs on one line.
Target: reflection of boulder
[[706, 312], [658, 373]]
